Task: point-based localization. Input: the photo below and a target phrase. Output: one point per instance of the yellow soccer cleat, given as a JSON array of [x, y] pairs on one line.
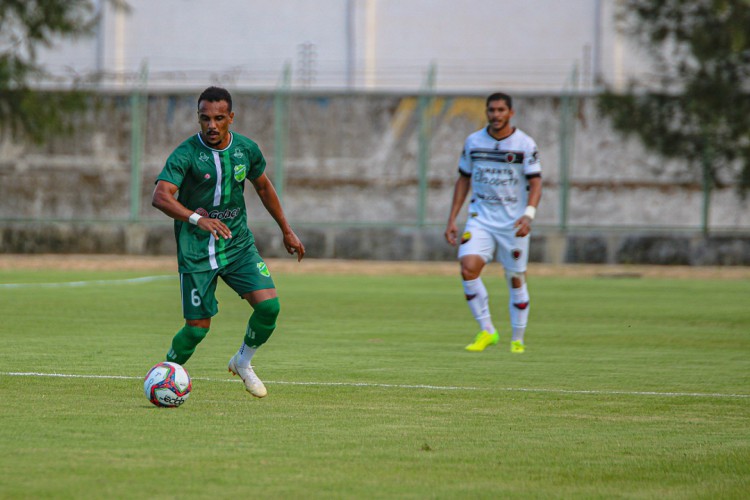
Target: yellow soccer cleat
[[517, 347], [482, 340]]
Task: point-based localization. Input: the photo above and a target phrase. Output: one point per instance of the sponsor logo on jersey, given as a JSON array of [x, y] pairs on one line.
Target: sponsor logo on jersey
[[503, 200], [493, 176], [263, 269], [465, 237], [240, 172], [203, 156], [516, 253], [218, 214], [238, 154]]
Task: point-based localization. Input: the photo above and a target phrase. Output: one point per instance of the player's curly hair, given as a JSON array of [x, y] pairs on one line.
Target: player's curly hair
[[215, 94], [499, 96]]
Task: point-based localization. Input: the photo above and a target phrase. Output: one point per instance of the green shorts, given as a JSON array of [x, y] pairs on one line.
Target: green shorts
[[246, 274]]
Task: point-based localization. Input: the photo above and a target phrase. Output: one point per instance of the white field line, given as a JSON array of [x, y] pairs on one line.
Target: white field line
[[407, 386], [65, 284]]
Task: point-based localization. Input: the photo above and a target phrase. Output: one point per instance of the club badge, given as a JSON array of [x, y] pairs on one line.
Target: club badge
[[240, 172]]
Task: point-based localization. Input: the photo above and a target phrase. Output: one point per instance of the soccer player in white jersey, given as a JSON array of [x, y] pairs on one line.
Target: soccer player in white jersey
[[500, 165]]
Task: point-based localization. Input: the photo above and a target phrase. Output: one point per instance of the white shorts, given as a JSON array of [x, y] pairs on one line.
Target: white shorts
[[507, 248]]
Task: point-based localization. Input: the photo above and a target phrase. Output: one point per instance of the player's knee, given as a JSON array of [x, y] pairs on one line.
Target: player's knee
[[467, 275], [515, 279], [195, 333], [470, 273], [268, 310], [199, 323], [471, 267]]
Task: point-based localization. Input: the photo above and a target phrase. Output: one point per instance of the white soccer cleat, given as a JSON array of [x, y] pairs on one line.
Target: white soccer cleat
[[252, 383]]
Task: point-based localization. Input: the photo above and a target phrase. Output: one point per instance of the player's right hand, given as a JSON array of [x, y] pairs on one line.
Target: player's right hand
[[451, 233], [215, 227]]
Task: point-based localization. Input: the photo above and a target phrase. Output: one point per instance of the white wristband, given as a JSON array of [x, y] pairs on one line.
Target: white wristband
[[194, 218], [530, 212]]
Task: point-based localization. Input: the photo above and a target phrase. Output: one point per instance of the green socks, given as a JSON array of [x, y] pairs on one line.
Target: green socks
[[185, 342], [259, 328], [262, 322]]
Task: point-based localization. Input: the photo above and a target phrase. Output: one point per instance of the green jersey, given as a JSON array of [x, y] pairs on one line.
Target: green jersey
[[211, 182]]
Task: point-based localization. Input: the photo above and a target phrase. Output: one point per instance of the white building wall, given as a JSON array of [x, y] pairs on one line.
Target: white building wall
[[475, 45]]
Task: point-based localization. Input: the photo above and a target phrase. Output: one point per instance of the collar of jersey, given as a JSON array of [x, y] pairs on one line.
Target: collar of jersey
[[231, 140], [487, 131]]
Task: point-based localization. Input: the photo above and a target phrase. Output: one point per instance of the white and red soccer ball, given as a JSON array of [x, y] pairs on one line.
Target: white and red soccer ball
[[167, 384]]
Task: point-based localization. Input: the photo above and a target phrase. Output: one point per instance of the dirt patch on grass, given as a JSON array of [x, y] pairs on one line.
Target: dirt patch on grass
[[166, 264]]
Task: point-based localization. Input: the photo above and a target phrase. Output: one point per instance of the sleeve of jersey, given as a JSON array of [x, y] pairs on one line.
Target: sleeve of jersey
[[532, 166], [464, 161], [258, 164], [175, 169]]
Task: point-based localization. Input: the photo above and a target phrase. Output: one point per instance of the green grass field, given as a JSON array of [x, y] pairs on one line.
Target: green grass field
[[630, 388]]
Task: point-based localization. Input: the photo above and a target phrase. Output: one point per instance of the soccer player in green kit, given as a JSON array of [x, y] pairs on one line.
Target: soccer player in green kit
[[202, 188]]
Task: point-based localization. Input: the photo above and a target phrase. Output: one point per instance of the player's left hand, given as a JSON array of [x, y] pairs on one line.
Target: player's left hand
[[293, 245], [523, 226]]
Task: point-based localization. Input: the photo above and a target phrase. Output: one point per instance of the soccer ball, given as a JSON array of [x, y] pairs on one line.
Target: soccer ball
[[167, 384]]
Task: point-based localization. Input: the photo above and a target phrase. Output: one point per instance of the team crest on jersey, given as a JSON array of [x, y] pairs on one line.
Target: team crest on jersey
[[509, 157], [263, 269], [465, 237], [516, 253], [240, 172], [203, 156]]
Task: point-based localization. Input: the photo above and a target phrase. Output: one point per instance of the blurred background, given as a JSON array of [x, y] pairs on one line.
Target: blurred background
[[361, 107], [390, 45]]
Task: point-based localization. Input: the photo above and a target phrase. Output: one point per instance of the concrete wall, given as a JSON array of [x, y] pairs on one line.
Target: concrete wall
[[351, 182]]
